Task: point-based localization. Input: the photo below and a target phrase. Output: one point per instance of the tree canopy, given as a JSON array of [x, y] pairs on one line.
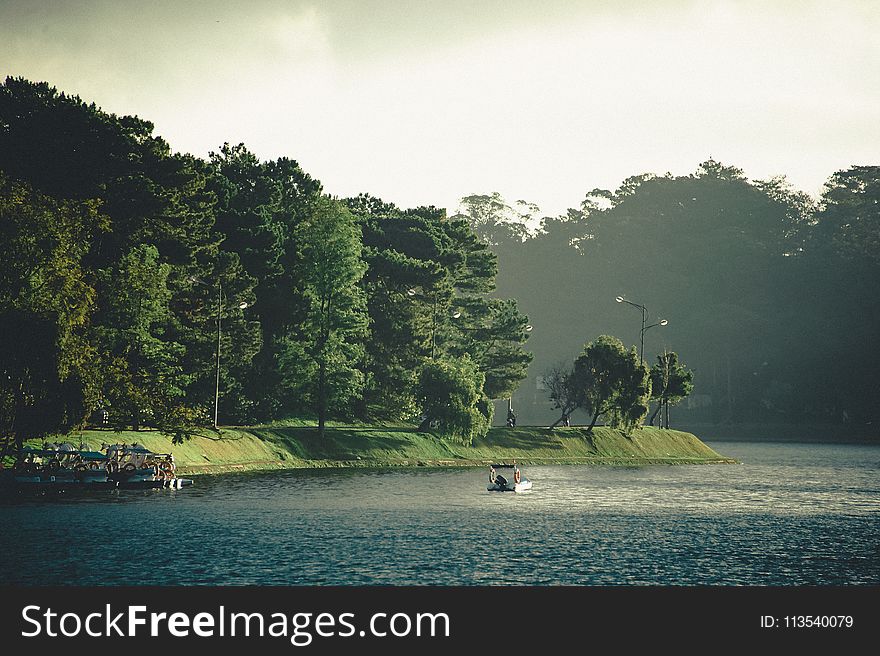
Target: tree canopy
[[163, 288]]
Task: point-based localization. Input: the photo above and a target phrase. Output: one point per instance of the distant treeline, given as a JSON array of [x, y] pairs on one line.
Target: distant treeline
[[771, 295], [120, 256]]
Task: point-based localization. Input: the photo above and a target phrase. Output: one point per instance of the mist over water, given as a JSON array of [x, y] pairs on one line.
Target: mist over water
[[790, 514]]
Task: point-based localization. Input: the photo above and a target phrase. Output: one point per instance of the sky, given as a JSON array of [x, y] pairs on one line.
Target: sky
[[423, 102]]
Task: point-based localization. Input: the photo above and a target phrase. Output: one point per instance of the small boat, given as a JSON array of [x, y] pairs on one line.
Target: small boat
[[135, 466], [499, 483]]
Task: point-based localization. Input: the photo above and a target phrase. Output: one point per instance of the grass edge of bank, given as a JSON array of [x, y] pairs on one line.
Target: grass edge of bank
[[279, 447]]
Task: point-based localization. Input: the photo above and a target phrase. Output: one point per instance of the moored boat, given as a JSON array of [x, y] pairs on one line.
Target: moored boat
[[60, 466], [64, 467], [136, 466]]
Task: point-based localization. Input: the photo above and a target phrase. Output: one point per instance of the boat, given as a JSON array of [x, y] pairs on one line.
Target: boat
[[60, 466], [499, 483], [133, 465], [64, 467]]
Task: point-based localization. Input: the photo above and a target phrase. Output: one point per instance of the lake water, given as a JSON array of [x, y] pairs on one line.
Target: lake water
[[790, 514]]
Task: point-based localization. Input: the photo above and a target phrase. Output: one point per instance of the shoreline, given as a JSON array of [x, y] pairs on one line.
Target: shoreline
[[232, 468], [297, 445]]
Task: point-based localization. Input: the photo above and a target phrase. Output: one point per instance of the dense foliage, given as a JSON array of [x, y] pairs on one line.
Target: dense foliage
[[671, 383], [771, 296], [156, 289], [451, 393], [142, 282]]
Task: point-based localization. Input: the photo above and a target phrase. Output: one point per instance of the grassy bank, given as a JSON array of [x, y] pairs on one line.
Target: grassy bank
[[298, 446]]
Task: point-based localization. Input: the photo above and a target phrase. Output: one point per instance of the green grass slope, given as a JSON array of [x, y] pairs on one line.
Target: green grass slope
[[297, 445]]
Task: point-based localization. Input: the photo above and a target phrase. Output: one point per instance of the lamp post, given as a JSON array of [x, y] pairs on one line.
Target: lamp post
[[645, 328], [241, 306]]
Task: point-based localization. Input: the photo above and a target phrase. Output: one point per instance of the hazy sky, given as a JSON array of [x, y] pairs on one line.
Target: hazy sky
[[423, 102]]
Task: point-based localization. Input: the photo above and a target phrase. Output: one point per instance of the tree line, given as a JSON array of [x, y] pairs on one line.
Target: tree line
[[771, 295], [159, 287]]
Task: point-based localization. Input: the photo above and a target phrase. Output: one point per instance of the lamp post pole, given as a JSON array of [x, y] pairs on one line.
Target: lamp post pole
[[241, 306], [644, 329], [217, 386]]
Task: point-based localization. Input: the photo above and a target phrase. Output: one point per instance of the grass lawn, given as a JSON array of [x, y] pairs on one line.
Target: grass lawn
[[295, 443]]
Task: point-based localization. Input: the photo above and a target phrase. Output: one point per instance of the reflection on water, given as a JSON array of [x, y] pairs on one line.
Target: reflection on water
[[791, 514]]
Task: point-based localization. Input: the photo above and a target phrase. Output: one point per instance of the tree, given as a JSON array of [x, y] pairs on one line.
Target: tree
[[494, 220], [427, 285], [849, 216], [144, 381], [407, 288], [611, 380], [841, 268], [450, 392], [492, 330], [74, 152], [671, 383], [47, 365], [560, 384], [259, 206], [328, 344]]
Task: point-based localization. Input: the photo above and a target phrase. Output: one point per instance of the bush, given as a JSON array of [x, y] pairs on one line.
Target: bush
[[450, 392]]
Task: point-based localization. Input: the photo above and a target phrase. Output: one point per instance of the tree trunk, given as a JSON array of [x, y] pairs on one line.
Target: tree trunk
[[666, 412], [322, 397], [654, 415], [593, 420], [558, 421]]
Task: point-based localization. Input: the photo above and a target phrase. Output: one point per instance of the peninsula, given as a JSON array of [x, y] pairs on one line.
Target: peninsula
[[299, 446]]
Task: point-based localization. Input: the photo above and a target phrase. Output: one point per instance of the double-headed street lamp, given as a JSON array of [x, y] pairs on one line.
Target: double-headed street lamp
[[645, 328], [241, 306]]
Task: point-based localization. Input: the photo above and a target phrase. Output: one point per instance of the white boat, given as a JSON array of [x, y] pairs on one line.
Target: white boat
[[500, 483]]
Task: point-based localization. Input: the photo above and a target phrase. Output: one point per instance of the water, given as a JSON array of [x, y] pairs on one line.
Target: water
[[791, 514]]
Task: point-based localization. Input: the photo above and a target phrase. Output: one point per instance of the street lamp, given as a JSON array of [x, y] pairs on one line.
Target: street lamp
[[241, 306], [645, 328]]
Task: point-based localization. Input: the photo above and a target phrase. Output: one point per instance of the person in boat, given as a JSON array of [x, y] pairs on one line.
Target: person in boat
[[492, 474]]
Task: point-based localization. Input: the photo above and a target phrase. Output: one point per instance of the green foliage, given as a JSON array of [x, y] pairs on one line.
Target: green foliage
[[609, 380], [75, 153], [259, 206], [426, 285], [671, 381], [849, 218], [760, 283], [143, 380], [330, 338], [450, 391], [46, 301], [491, 330], [408, 258]]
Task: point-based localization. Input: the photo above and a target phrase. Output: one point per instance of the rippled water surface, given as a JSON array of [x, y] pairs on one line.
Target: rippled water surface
[[790, 514]]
